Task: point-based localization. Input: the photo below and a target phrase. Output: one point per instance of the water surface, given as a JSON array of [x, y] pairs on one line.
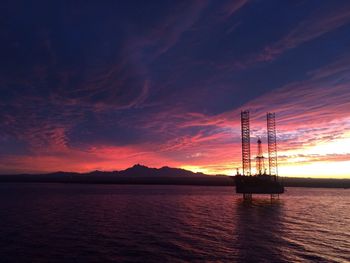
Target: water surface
[[106, 223]]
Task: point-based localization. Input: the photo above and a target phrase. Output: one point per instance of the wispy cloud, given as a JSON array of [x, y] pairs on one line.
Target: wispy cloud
[[324, 20], [161, 87]]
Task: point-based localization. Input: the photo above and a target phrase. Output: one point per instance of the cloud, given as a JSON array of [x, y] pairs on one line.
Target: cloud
[[113, 88], [232, 7], [324, 20], [98, 157], [310, 113], [324, 97]]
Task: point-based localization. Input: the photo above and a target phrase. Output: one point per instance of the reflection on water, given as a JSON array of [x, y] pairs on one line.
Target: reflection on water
[[259, 229], [108, 223]]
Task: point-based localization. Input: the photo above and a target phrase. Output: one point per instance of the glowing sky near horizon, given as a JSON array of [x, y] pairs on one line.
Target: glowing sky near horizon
[[104, 85]]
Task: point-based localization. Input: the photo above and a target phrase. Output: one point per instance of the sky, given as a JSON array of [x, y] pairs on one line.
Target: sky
[[103, 85]]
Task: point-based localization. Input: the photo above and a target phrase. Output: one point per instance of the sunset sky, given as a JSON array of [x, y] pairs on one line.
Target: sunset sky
[[89, 85]]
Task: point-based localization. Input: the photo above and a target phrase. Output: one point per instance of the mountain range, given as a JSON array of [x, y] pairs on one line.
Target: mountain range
[[140, 174]]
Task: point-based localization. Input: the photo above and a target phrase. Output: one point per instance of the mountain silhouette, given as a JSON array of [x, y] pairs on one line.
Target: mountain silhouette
[[141, 174], [141, 170]]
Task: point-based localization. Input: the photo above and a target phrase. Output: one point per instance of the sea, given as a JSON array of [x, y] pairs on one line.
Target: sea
[[142, 223]]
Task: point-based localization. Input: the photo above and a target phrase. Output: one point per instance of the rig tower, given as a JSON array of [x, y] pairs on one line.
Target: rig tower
[[245, 143], [272, 145], [260, 166]]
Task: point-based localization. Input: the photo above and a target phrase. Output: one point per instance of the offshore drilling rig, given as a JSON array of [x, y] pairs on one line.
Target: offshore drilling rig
[[261, 182]]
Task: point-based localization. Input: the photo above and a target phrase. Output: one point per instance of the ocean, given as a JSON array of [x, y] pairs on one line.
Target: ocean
[[143, 223]]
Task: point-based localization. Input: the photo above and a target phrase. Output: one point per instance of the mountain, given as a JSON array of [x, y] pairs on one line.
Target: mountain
[[165, 171], [140, 174]]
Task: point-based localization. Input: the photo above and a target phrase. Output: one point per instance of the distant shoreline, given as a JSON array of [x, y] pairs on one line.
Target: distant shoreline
[[174, 180], [143, 175]]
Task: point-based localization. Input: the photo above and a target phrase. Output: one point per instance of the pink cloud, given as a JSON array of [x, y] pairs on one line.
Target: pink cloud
[[98, 157]]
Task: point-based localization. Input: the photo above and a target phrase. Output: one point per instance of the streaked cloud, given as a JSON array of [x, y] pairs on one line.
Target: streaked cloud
[[107, 86], [324, 19]]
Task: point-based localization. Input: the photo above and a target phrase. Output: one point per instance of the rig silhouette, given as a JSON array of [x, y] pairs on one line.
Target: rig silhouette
[[261, 182]]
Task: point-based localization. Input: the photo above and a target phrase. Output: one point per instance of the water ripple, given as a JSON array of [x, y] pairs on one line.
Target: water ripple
[[111, 223]]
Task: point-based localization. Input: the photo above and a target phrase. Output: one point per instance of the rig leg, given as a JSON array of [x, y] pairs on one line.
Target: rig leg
[[275, 196], [247, 197]]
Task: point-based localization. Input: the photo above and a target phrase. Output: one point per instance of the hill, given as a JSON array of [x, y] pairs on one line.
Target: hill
[[140, 174]]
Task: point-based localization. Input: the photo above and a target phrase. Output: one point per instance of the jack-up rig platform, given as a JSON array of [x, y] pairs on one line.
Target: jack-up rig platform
[[261, 182]]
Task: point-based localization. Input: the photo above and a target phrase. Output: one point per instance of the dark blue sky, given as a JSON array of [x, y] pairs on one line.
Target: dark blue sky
[[105, 84]]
